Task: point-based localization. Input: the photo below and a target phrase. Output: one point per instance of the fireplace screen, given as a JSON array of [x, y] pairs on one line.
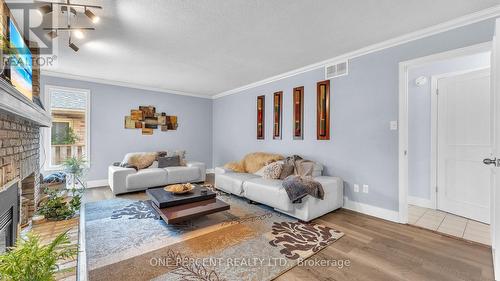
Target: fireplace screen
[[6, 238]]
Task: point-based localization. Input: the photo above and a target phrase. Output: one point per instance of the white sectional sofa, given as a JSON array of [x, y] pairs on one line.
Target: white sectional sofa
[[271, 193], [123, 180]]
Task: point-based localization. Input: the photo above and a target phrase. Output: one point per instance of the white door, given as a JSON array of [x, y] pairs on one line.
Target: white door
[[465, 138], [495, 191]]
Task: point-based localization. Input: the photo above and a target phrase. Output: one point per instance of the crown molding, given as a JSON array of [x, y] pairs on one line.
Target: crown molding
[[119, 83], [426, 32]]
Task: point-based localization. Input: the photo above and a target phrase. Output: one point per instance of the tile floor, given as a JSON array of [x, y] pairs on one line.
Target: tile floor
[[449, 224]]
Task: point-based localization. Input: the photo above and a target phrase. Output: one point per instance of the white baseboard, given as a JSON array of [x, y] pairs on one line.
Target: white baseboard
[[97, 183], [370, 210], [421, 202], [210, 171]]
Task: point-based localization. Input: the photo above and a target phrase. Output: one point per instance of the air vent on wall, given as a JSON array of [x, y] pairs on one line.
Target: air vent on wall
[[336, 70]]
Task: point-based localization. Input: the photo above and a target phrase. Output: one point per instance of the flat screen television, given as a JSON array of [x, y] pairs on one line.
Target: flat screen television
[[20, 61]]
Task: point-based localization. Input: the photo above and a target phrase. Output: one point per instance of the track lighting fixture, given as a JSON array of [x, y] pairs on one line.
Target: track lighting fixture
[[71, 11], [91, 16]]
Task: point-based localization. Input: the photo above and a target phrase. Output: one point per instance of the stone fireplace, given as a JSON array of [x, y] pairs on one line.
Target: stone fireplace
[[20, 158], [20, 123]]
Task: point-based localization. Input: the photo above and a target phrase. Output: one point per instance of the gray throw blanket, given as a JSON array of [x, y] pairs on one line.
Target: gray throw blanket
[[297, 187]]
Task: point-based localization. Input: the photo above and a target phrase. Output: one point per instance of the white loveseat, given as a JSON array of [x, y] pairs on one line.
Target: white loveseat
[[123, 180], [270, 192]]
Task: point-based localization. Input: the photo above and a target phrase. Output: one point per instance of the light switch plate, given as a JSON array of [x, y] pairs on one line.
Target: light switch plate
[[393, 125], [365, 188], [356, 187]]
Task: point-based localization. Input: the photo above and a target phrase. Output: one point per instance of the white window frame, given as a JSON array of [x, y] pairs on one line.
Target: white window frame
[[49, 89]]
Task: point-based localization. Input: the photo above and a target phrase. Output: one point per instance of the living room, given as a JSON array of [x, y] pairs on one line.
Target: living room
[[249, 140]]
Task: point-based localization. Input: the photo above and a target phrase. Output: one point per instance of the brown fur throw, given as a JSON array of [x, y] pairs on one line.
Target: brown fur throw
[[253, 162]]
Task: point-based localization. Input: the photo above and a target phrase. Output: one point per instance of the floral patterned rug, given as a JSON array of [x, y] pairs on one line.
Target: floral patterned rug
[[126, 240]]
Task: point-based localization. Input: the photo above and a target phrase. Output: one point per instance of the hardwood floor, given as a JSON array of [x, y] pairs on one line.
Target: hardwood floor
[[382, 250], [379, 250]]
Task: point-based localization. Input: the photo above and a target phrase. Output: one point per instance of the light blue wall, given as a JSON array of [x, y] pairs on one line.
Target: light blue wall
[[362, 149], [110, 141], [419, 118]]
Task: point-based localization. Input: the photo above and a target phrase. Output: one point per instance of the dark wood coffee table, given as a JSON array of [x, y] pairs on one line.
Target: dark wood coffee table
[[174, 208]]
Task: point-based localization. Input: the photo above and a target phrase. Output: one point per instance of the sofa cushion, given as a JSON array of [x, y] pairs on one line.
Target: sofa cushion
[[169, 161], [269, 192], [232, 182], [151, 177], [182, 174]]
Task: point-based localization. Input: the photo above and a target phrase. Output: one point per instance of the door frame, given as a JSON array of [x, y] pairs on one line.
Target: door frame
[[434, 129], [404, 67]]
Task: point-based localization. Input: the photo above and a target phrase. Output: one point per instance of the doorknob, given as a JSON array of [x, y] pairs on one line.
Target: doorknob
[[493, 161]]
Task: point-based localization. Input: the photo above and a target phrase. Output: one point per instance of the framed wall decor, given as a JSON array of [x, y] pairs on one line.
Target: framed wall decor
[[277, 114], [323, 110], [298, 113], [261, 104]]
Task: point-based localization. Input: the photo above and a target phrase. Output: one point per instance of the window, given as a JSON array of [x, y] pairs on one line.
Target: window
[[69, 133]]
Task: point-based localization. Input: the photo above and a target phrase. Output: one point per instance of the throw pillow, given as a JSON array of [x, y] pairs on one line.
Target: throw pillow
[[304, 168], [181, 154], [272, 171], [141, 160], [288, 169], [164, 162]]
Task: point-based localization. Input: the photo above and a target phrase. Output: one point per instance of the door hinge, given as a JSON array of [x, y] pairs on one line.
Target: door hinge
[[437, 91], [436, 189]]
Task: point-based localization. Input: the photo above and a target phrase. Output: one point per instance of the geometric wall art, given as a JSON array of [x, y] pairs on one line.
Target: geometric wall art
[[323, 110], [261, 100], [298, 113], [147, 119]]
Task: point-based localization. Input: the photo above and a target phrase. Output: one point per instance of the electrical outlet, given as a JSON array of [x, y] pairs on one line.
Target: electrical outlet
[[393, 125], [365, 188], [356, 187]]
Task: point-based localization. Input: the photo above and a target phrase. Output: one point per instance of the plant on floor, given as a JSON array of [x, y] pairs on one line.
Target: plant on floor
[[29, 260], [75, 167], [56, 207]]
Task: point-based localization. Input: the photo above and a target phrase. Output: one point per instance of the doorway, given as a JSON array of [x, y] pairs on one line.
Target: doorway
[[447, 132]]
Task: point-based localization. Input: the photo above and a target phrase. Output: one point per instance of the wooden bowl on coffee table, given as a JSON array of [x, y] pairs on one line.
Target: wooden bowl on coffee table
[[179, 188]]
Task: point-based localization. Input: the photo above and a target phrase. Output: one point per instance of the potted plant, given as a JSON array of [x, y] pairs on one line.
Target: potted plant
[[75, 167], [30, 260], [57, 206]]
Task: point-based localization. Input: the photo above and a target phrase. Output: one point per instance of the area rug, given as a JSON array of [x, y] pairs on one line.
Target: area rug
[[126, 240]]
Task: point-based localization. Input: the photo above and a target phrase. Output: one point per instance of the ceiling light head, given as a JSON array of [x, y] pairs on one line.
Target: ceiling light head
[[91, 16], [45, 9], [72, 10], [78, 34], [73, 46], [52, 34]]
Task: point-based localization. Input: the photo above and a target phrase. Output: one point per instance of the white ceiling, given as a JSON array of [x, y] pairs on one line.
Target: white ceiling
[[207, 47]]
